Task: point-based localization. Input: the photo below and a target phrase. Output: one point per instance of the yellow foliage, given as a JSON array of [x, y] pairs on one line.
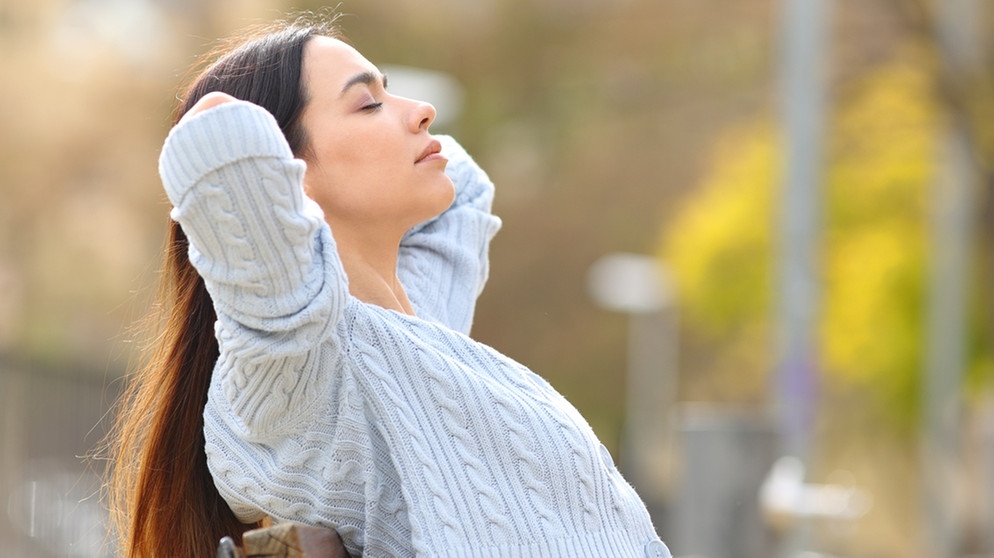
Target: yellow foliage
[[720, 247], [881, 167]]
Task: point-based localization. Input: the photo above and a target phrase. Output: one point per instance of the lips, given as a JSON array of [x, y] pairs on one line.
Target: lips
[[431, 152]]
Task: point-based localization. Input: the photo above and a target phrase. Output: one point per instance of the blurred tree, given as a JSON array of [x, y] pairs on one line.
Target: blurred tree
[[963, 83], [720, 251], [880, 163]]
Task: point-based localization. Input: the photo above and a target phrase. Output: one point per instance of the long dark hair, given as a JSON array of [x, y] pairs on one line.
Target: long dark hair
[[163, 501]]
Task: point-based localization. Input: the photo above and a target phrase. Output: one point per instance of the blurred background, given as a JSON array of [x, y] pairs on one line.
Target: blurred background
[[750, 240]]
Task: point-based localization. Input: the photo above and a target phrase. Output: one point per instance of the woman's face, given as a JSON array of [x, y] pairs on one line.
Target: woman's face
[[370, 159]]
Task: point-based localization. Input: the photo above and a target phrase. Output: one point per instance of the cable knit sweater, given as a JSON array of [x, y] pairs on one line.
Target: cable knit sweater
[[402, 433]]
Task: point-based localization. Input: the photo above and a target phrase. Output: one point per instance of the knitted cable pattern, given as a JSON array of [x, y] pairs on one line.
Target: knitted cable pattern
[[401, 432]]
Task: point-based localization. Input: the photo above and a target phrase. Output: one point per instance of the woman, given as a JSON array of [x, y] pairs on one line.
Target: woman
[[323, 263]]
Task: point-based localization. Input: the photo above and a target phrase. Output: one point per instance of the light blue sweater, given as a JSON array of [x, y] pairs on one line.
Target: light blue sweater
[[402, 433]]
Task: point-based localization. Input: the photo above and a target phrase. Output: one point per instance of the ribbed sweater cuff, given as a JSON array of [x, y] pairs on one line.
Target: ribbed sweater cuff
[[215, 138]]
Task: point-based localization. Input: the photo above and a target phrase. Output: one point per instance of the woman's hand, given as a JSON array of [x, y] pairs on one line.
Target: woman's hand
[[207, 102]]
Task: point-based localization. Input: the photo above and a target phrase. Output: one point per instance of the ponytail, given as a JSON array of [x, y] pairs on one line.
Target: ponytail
[[162, 498]]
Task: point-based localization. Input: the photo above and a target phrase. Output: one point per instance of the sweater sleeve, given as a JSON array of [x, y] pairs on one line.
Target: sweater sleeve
[[267, 258], [444, 263]]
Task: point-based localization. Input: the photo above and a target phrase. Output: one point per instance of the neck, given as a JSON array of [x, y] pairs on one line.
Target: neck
[[371, 266]]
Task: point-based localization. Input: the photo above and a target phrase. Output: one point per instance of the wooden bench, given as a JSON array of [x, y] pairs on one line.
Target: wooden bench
[[286, 540]]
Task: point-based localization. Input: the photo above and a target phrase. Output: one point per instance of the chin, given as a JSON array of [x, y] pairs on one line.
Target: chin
[[446, 193], [437, 197]]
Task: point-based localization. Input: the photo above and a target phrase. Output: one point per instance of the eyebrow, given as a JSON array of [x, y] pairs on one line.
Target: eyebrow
[[364, 78]]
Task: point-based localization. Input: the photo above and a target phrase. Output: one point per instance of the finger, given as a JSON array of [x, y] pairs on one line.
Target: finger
[[207, 102]]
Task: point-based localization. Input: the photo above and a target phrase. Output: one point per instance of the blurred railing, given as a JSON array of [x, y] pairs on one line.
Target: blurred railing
[[49, 486]]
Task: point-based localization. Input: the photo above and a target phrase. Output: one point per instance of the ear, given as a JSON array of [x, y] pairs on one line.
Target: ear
[[306, 185]]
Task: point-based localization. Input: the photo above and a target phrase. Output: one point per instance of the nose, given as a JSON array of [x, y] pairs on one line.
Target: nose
[[422, 115]]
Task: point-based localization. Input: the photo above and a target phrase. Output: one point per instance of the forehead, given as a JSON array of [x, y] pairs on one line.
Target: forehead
[[329, 64]]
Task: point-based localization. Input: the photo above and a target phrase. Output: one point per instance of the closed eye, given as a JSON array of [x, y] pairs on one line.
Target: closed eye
[[372, 107]]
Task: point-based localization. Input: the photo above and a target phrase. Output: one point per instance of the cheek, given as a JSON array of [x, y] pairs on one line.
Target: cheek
[[346, 188], [349, 157], [355, 174]]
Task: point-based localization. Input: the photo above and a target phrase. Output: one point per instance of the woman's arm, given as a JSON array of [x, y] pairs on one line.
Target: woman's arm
[[266, 257], [444, 262]]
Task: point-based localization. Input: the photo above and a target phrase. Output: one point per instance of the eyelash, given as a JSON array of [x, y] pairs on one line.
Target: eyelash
[[373, 106]]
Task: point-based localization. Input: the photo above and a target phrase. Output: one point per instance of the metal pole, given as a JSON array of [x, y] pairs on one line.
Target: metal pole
[[651, 390], [803, 97], [803, 93], [946, 330], [987, 477], [945, 351]]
